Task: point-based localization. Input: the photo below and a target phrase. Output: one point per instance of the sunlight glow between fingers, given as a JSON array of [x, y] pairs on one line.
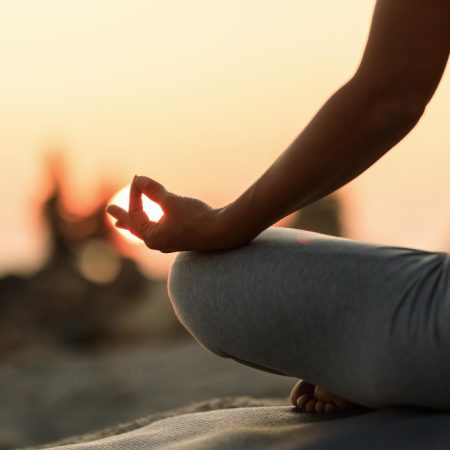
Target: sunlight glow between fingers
[[122, 198]]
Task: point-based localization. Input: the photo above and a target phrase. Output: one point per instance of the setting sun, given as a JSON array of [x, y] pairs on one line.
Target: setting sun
[[152, 209]]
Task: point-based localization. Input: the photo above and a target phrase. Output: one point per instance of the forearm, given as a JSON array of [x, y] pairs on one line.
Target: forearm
[[349, 133]]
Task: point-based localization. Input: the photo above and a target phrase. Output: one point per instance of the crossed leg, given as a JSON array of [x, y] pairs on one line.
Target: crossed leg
[[342, 314]]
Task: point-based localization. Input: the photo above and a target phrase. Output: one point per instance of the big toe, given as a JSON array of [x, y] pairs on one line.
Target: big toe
[[300, 388]]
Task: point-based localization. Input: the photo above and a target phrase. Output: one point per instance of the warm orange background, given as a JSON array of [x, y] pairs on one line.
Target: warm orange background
[[202, 96]]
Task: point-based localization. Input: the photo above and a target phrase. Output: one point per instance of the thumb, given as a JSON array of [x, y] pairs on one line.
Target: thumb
[[152, 189]]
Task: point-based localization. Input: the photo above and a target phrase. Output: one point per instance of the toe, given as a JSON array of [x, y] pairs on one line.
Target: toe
[[319, 407], [309, 407], [328, 397], [342, 404], [303, 400], [300, 388]]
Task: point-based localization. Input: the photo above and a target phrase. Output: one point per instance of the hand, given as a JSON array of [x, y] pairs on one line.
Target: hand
[[187, 223]]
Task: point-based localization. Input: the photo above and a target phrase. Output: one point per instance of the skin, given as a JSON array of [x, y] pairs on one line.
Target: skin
[[403, 62]]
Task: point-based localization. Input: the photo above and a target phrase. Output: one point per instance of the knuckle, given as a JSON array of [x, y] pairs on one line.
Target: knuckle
[[147, 230], [160, 192]]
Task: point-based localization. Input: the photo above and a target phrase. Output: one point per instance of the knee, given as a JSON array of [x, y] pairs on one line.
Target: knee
[[180, 285], [192, 299]]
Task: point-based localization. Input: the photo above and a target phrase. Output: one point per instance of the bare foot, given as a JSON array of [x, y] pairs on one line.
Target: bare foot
[[312, 398]]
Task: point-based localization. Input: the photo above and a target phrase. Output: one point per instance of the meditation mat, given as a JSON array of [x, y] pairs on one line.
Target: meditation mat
[[283, 428]]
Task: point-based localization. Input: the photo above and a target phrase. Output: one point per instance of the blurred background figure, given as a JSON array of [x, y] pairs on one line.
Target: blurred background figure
[[86, 290]]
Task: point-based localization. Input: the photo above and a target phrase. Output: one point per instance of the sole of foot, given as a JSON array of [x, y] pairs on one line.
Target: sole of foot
[[313, 399]]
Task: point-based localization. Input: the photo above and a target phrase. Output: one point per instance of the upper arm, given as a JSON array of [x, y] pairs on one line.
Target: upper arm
[[407, 50]]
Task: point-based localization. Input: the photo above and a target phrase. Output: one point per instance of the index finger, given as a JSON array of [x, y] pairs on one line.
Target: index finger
[[136, 210], [135, 204]]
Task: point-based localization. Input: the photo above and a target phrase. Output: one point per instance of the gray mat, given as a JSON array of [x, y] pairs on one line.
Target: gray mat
[[284, 428]]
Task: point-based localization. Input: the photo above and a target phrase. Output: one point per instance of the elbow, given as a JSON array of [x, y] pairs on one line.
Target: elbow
[[397, 110], [389, 105]]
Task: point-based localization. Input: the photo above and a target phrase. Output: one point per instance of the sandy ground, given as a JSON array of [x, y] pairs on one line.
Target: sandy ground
[[45, 397]]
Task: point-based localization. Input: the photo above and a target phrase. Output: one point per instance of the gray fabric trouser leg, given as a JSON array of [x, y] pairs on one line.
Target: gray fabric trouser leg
[[370, 323]]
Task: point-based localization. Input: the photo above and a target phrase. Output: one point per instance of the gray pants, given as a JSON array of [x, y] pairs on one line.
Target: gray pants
[[368, 322]]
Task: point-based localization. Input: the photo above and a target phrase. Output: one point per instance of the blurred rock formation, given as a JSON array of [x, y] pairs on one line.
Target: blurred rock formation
[[85, 290], [87, 295]]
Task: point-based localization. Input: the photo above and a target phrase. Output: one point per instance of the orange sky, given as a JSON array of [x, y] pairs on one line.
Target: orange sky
[[202, 96]]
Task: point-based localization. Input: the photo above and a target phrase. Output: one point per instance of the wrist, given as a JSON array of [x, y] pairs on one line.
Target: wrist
[[232, 229]]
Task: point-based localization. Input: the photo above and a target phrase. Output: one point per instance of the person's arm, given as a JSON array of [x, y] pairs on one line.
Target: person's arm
[[402, 65], [404, 60]]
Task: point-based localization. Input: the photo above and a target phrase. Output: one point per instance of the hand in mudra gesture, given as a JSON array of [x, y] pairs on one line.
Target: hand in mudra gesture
[[187, 223]]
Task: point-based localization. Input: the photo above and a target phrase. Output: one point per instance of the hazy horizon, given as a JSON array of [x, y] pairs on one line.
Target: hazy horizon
[[202, 96]]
